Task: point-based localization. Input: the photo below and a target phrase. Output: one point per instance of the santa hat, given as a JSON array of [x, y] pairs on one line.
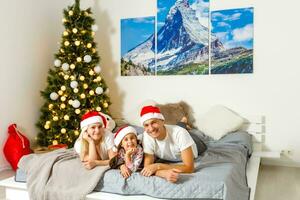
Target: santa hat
[[92, 117], [122, 132], [150, 112]]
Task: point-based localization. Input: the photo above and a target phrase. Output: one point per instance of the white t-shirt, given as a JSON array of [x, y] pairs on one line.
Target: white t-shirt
[[107, 144], [177, 139]]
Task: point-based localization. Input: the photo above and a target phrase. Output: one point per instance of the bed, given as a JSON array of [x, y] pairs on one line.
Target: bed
[[206, 169]]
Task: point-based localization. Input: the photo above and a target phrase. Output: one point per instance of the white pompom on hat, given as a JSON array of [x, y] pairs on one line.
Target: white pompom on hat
[[150, 112], [122, 132]]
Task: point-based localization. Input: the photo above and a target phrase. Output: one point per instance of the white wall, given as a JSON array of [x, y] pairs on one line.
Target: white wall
[[29, 36]]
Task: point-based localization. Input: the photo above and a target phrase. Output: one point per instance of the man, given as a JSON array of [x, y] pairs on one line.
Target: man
[[167, 142]]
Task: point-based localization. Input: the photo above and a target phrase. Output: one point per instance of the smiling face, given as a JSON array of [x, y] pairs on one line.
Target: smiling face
[[96, 131], [155, 128], [129, 141]]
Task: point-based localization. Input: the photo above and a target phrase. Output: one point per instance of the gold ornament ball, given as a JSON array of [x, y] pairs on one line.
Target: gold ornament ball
[[66, 43], [55, 118], [60, 92], [64, 20], [85, 86], [91, 92], [79, 59], [63, 88], [48, 122], [91, 72], [65, 33], [105, 105], [82, 96], [93, 33], [66, 117], [75, 90], [46, 126], [62, 105], [77, 43], [74, 30], [72, 66], [77, 111], [93, 50], [54, 142], [63, 130], [86, 13], [81, 78], [63, 98], [89, 45], [98, 108], [76, 132], [99, 78], [61, 50], [70, 101], [72, 78], [71, 13], [83, 31], [50, 106], [66, 77]]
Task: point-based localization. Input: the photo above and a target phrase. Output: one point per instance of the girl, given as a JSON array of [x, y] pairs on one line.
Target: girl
[[130, 153], [95, 143]]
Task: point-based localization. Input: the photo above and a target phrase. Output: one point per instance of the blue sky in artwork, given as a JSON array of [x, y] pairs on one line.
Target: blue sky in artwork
[[164, 6], [134, 31], [234, 27]]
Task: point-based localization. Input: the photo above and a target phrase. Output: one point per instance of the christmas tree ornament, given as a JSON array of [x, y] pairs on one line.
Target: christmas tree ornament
[[89, 45], [81, 78], [99, 78], [60, 92], [76, 132], [91, 72], [61, 50], [66, 43], [93, 33], [70, 101], [62, 106], [86, 14], [94, 27], [54, 142], [63, 88], [78, 59], [65, 33], [65, 66], [50, 106], [75, 90], [71, 13], [98, 108], [66, 117], [87, 58], [77, 111], [76, 103], [99, 90], [66, 77], [105, 104], [72, 78], [57, 63], [55, 118], [74, 30], [63, 98], [74, 84], [91, 92], [63, 130], [85, 86], [77, 43], [64, 20], [46, 126], [72, 66], [53, 96], [82, 96], [48, 122], [94, 50], [97, 69]]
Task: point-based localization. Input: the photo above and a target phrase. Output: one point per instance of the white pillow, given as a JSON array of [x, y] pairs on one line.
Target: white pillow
[[219, 121]]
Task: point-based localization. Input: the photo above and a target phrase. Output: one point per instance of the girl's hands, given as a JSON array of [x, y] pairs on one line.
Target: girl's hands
[[125, 171], [89, 164], [131, 151], [87, 137]]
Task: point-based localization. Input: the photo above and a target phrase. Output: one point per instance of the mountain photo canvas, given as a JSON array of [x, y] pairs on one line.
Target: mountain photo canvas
[[232, 41], [138, 46], [182, 37]]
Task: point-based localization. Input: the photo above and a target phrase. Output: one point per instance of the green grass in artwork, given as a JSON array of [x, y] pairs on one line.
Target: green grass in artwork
[[190, 69]]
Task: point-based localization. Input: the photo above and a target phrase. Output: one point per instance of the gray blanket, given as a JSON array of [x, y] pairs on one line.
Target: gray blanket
[[59, 175], [220, 174]]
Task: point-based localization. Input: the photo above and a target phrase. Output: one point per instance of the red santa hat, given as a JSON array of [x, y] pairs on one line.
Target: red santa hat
[[150, 112], [122, 132], [92, 117]]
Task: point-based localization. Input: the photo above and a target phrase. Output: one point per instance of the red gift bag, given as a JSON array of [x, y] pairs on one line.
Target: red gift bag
[[16, 146]]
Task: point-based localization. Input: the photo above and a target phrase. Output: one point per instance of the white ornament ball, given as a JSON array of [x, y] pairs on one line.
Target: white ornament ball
[[65, 66], [94, 28], [57, 63], [53, 96], [97, 69], [76, 103], [99, 90], [87, 58], [74, 84]]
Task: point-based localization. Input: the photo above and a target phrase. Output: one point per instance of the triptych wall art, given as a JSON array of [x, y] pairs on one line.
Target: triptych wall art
[[185, 38]]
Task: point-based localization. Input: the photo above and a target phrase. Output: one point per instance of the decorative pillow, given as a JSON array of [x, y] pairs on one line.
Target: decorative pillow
[[219, 121]]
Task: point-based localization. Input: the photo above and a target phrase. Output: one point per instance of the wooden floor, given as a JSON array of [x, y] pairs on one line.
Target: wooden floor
[[274, 183]]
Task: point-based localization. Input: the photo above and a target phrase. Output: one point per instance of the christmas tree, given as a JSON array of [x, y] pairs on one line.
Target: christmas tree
[[74, 83]]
